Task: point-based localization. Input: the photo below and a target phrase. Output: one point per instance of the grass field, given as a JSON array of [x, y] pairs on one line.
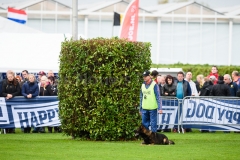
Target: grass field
[[51, 146]]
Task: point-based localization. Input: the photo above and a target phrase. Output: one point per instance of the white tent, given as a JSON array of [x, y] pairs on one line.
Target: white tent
[[22, 47], [34, 52], [8, 26]]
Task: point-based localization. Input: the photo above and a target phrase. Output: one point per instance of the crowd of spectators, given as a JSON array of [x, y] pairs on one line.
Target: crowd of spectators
[[29, 86], [210, 85]]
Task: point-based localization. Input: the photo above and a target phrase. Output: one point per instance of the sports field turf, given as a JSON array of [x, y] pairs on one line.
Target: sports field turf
[[51, 146]]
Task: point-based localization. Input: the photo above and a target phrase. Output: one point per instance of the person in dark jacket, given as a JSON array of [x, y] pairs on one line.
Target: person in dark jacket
[[10, 89], [183, 88], [25, 76], [206, 88], [220, 89], [45, 90], [53, 85], [161, 84], [30, 90], [233, 87], [154, 75], [169, 88]]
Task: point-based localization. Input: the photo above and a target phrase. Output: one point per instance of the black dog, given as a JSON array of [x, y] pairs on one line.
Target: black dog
[[150, 137]]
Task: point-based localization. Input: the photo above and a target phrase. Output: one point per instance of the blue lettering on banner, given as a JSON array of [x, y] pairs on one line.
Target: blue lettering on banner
[[220, 114], [34, 120], [50, 116], [229, 115], [200, 110], [42, 116], [1, 113], [25, 120], [190, 115], [236, 117], [209, 112], [167, 121]]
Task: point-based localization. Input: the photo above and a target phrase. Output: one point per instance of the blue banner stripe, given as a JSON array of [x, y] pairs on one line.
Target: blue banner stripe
[[34, 107], [18, 20], [221, 104]]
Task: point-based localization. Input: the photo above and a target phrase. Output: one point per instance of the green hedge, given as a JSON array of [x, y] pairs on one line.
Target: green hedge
[[197, 69], [99, 87]]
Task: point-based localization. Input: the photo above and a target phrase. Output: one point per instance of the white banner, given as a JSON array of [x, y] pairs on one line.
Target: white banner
[[20, 112], [215, 114]]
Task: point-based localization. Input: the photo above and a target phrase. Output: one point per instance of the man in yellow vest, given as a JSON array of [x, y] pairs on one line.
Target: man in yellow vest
[[150, 102]]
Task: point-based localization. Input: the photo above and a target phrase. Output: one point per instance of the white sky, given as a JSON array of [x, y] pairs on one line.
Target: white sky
[[210, 3]]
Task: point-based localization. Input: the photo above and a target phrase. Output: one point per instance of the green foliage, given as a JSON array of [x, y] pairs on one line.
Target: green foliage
[[197, 69], [99, 87]]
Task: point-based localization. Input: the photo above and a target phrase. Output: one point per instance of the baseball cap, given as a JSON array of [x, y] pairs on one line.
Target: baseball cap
[[146, 73], [41, 73]]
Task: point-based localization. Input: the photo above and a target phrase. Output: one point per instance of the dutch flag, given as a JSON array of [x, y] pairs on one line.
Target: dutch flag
[[19, 16]]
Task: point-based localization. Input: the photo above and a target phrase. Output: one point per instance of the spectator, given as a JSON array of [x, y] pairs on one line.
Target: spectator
[[53, 85], [40, 74], [233, 87], [169, 89], [25, 76], [236, 78], [45, 90], [220, 89], [19, 79], [150, 102], [54, 89], [50, 73], [183, 88], [214, 73], [10, 89], [1, 84], [154, 75], [199, 83], [161, 84], [207, 87], [158, 79], [191, 83], [30, 90]]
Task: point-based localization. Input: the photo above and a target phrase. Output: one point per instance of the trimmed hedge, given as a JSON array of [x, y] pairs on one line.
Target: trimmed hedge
[[197, 69], [99, 87]]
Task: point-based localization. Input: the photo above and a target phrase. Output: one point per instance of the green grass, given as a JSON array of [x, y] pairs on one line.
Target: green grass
[[194, 145]]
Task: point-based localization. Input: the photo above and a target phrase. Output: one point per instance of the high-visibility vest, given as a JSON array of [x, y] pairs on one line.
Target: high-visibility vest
[[149, 101]]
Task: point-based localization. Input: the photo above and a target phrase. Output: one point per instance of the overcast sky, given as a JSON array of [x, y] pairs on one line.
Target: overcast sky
[[209, 3]]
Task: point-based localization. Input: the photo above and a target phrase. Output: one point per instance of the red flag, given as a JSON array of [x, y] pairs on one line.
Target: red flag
[[130, 22]]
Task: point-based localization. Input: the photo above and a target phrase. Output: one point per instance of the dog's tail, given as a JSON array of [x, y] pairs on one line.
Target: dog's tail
[[170, 142]]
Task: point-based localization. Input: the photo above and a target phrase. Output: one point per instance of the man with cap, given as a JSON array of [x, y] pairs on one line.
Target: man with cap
[[150, 102]]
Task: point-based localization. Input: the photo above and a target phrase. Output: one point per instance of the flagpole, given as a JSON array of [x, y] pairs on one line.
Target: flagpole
[[75, 19], [113, 25]]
